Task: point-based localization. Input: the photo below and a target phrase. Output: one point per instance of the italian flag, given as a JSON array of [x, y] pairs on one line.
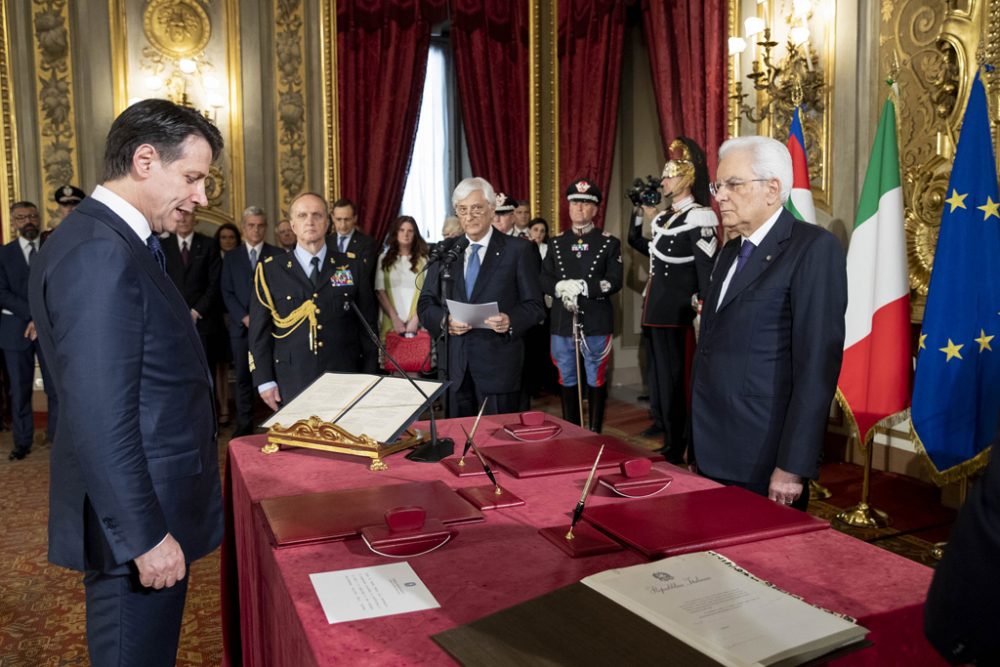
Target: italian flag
[[800, 203], [875, 376]]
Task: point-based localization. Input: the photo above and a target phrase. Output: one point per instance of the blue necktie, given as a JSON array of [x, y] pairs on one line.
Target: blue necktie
[[745, 251], [31, 252], [153, 243], [253, 259], [342, 243], [472, 270], [314, 275]]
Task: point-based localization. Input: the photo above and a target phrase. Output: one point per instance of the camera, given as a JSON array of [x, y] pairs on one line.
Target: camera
[[644, 193]]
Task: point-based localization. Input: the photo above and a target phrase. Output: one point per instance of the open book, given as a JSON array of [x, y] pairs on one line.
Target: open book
[[724, 612], [374, 405]]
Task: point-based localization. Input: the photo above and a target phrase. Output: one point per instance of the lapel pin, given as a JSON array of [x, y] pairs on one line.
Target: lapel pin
[[767, 259], [289, 265]]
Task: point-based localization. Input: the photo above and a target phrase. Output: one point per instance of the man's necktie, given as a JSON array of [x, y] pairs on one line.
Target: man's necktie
[[314, 274], [153, 243], [472, 270], [745, 251], [31, 252], [185, 253], [253, 259], [342, 243]]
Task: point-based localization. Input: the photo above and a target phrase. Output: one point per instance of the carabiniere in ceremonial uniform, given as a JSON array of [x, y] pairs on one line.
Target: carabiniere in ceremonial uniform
[[681, 254], [582, 269], [299, 331]]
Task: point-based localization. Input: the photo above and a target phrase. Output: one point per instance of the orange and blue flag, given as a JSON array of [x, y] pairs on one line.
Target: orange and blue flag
[[956, 392]]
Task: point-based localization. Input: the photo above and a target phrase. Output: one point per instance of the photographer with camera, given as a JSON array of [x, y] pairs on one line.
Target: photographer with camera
[[681, 253]]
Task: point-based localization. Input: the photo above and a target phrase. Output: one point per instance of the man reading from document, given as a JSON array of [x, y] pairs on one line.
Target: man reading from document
[[493, 267], [772, 332], [135, 479]]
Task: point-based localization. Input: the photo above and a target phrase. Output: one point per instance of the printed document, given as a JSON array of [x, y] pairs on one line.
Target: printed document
[[473, 314], [371, 592]]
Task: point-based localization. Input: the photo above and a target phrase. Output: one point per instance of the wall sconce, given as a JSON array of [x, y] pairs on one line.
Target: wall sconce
[[783, 84], [185, 76]]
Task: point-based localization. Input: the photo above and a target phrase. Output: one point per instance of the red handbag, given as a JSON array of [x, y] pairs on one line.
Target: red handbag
[[412, 354]]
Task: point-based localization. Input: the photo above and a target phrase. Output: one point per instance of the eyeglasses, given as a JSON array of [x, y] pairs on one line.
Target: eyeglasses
[[474, 211], [27, 216], [733, 185]]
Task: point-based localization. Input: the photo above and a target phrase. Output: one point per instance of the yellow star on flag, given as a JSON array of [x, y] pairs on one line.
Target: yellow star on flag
[[990, 208], [951, 350], [956, 200], [921, 345], [984, 341]]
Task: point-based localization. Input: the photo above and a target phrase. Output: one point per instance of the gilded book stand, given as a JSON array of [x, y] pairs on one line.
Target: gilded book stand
[[314, 433]]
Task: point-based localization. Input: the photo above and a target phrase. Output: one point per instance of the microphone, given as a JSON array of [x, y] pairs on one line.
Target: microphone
[[448, 250], [437, 448]]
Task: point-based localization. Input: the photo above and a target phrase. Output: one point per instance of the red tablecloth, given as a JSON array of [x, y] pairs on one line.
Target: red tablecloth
[[272, 617]]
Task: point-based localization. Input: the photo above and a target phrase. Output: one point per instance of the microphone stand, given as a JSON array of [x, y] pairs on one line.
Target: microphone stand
[[437, 448]]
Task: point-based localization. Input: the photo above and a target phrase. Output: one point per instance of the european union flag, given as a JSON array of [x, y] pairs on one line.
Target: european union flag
[[956, 392]]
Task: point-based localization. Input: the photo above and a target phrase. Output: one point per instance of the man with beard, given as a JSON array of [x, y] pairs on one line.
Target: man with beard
[[17, 330]]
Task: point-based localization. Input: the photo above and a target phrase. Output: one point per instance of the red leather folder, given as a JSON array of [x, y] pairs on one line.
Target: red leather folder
[[709, 519], [336, 515], [562, 455]]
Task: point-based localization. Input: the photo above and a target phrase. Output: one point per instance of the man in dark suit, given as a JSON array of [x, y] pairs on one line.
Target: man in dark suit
[[17, 330], [961, 616], [772, 332], [301, 321], [195, 265], [135, 491], [350, 240], [238, 267], [490, 267]]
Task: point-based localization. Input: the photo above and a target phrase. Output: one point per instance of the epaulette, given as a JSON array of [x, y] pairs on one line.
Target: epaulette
[[268, 259], [702, 216]]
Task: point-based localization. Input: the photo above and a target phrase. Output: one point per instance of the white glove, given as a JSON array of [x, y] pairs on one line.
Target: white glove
[[568, 290], [571, 288]]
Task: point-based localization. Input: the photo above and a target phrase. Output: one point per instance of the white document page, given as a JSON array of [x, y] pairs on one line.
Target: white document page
[[723, 612], [325, 398], [381, 412], [473, 314], [371, 592]]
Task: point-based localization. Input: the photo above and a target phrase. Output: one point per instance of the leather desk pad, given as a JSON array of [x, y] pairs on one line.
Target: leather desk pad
[[336, 515], [710, 519], [562, 455]]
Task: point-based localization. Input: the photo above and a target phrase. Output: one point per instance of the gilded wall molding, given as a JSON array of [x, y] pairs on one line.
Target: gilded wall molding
[[331, 97], [9, 188], [171, 30], [934, 44], [54, 101], [543, 110], [290, 99]]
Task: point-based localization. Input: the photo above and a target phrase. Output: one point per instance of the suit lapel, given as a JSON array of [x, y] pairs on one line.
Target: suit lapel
[[161, 280], [493, 257], [726, 257], [762, 258]]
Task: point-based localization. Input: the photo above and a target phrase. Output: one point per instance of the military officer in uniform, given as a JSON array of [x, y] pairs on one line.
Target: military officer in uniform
[[301, 321], [581, 270], [681, 254]]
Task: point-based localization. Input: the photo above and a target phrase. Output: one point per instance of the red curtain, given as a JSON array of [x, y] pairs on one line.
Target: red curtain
[[382, 50], [591, 37], [490, 42], [687, 42]]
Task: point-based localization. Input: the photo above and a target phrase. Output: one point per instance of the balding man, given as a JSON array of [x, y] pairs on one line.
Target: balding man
[[301, 322], [772, 332], [238, 267]]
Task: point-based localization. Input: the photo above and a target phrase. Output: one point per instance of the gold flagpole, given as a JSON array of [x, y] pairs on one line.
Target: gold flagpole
[[864, 515]]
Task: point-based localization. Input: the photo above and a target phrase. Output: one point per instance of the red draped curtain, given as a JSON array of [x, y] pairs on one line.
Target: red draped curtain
[[490, 42], [687, 42], [591, 36], [382, 50]]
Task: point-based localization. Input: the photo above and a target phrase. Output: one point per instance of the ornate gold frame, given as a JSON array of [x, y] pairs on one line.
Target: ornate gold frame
[[9, 169], [55, 105], [222, 208], [291, 101], [543, 110], [331, 125]]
